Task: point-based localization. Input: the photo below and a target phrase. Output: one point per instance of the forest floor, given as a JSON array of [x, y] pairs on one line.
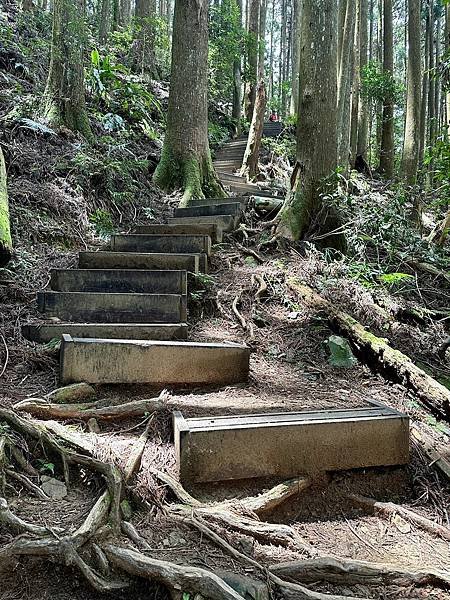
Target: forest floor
[[290, 370], [66, 197]]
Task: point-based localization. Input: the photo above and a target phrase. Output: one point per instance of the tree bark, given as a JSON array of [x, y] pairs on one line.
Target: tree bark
[[251, 156], [237, 83], [252, 57], [104, 23], [363, 107], [124, 12], [355, 86], [425, 87], [5, 231], [387, 128], [345, 77], [143, 47], [64, 103], [413, 96], [431, 79], [317, 128], [296, 6], [262, 38], [186, 159]]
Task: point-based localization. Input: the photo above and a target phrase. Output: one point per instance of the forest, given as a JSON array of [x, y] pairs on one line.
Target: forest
[[224, 299]]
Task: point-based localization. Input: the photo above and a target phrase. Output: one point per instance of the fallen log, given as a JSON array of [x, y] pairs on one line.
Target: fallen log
[[377, 352], [353, 572]]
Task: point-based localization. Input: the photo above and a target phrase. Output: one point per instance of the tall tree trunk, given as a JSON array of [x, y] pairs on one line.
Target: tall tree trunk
[[5, 231], [237, 82], [387, 131], [186, 160], [411, 144], [431, 79], [64, 102], [437, 80], [282, 68], [271, 60], [251, 156], [363, 108], [447, 50], [252, 57], [262, 39], [143, 48], [345, 76], [305, 208], [124, 12], [104, 21], [425, 87], [355, 85], [296, 6]]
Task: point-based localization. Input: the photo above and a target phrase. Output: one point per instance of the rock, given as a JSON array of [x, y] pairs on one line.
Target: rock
[[55, 489], [248, 588], [341, 354], [93, 426], [77, 392]]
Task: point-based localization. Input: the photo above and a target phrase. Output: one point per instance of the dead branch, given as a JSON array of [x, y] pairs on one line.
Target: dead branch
[[249, 252], [84, 412], [134, 461], [389, 509], [353, 572]]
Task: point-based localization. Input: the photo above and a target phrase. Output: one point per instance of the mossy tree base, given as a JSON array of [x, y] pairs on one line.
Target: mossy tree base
[[194, 175]]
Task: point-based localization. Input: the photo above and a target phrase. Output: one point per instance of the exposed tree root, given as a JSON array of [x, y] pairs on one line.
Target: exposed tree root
[[389, 509], [93, 550], [197, 581], [352, 572]]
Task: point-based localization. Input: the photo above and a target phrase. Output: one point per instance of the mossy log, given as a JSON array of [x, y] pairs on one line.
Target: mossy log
[[5, 231], [379, 354]]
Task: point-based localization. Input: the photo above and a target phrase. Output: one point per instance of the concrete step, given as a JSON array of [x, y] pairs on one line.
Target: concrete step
[[44, 332], [289, 444], [213, 231], [194, 263], [170, 244], [118, 281], [234, 208], [152, 362], [93, 307], [224, 222], [243, 200]]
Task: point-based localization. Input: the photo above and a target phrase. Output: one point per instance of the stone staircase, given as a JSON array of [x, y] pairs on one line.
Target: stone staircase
[[122, 315], [229, 160]]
